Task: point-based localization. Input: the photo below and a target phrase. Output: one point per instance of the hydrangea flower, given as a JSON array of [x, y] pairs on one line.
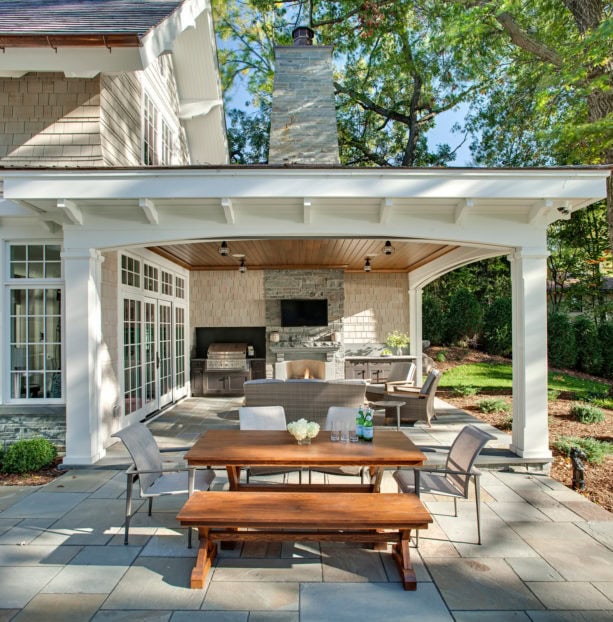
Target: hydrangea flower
[[302, 429]]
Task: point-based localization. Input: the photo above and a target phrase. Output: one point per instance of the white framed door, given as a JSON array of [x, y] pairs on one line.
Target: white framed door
[[165, 353]]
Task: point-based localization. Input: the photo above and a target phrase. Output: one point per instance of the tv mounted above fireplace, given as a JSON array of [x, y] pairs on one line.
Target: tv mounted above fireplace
[[296, 312]]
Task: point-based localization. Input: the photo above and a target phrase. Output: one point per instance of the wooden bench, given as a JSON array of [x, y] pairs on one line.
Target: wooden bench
[[306, 516]]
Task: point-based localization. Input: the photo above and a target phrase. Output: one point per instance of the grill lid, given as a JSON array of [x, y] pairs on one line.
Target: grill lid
[[227, 350]]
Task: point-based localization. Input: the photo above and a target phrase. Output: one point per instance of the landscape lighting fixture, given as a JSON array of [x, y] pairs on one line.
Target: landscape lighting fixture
[[242, 268], [367, 266], [223, 249], [388, 249]]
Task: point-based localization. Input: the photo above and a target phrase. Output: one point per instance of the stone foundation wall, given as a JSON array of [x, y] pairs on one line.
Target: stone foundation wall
[[48, 422]]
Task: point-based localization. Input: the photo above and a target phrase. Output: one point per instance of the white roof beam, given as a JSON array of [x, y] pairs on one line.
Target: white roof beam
[[307, 213], [150, 211], [71, 211], [385, 210], [461, 210], [539, 211], [228, 210]]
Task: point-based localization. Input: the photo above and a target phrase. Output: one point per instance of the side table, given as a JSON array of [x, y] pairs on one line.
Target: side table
[[391, 404]]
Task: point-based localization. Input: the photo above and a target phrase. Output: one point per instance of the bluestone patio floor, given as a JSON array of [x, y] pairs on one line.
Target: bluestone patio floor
[[547, 553]]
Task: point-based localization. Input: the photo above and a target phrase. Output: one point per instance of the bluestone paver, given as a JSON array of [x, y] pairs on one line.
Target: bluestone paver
[[258, 596], [570, 595], [60, 608]]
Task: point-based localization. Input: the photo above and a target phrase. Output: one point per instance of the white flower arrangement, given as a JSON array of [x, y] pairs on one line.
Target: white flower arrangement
[[302, 429]]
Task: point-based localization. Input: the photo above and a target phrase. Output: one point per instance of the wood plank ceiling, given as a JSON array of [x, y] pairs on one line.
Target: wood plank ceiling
[[297, 254]]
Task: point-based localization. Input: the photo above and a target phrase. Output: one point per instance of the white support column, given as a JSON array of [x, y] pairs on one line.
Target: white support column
[[83, 315], [529, 282], [415, 332]]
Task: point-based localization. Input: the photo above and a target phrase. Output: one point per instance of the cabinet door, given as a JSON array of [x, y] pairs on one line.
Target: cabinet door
[[356, 371], [235, 381], [258, 369], [379, 371]]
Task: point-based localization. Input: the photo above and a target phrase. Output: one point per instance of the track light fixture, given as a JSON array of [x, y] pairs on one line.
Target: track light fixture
[[367, 266], [242, 268], [223, 249]]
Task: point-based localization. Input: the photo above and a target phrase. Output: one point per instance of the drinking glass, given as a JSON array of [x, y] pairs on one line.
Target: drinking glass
[[335, 432], [344, 433]]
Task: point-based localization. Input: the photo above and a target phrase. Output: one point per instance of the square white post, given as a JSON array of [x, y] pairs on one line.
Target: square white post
[[83, 322], [416, 332], [529, 282]]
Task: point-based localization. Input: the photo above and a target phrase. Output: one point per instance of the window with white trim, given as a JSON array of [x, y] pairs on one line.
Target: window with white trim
[[179, 287], [34, 291], [166, 283], [158, 136], [150, 278], [130, 271]]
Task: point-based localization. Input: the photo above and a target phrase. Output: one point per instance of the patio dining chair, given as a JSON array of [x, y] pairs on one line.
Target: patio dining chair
[[265, 418], [344, 415], [453, 480], [154, 478]]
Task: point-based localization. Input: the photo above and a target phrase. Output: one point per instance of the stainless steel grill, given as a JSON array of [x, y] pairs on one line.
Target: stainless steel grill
[[224, 356]]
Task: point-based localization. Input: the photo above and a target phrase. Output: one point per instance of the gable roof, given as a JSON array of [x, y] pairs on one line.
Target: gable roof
[[82, 17]]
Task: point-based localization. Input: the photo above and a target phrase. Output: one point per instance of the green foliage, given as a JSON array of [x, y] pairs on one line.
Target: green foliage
[[560, 341], [493, 405], [28, 455], [396, 339], [506, 423], [595, 450], [498, 328], [433, 319], [586, 413], [605, 338], [440, 357], [464, 317], [465, 390], [553, 395], [587, 345]]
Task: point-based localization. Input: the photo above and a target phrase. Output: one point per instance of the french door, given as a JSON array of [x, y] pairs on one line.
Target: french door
[[153, 347]]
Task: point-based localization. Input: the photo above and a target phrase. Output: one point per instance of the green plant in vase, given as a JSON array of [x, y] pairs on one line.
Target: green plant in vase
[[397, 341]]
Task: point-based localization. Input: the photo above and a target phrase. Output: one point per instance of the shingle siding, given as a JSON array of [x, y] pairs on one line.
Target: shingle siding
[[47, 119], [120, 119]]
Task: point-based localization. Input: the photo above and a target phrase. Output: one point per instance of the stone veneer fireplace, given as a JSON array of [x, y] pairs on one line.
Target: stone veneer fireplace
[[322, 343]]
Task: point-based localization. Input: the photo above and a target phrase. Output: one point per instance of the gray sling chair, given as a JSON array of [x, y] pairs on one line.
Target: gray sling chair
[[454, 479], [265, 418], [154, 478], [346, 415]]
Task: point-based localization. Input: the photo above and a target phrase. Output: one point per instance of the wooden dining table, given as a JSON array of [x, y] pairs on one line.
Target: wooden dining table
[[235, 449]]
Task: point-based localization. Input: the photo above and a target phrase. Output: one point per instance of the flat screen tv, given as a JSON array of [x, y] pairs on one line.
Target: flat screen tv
[[304, 312]]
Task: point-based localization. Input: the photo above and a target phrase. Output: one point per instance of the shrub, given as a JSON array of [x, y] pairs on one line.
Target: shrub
[[553, 394], [605, 337], [586, 413], [465, 390], [506, 423], [498, 328], [494, 405], [433, 315], [464, 318], [441, 357], [560, 341], [595, 451], [589, 354], [28, 455]]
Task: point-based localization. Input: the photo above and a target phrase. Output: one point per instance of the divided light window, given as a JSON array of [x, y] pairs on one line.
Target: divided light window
[[166, 283], [35, 321], [150, 278], [158, 138], [130, 271], [179, 287]]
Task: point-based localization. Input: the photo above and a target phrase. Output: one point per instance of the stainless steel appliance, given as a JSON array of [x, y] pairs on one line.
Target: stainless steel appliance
[[227, 357]]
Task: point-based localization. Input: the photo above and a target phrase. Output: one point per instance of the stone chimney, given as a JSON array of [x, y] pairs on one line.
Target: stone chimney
[[303, 119]]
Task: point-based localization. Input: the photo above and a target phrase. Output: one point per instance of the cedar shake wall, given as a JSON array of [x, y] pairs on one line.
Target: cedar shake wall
[[120, 119], [49, 120], [375, 305]]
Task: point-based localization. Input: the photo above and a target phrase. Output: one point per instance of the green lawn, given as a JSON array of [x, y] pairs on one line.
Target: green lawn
[[492, 376]]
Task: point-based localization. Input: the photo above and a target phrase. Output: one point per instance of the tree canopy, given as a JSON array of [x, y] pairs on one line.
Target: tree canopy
[[537, 77]]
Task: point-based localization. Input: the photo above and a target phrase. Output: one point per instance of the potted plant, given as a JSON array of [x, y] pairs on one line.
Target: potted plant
[[397, 340]]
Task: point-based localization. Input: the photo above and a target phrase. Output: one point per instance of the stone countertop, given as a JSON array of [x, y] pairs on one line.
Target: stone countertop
[[374, 357]]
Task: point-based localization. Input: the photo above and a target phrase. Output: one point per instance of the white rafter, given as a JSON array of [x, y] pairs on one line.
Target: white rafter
[[228, 210], [71, 211], [151, 212], [385, 210], [307, 213], [462, 209], [539, 211]]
